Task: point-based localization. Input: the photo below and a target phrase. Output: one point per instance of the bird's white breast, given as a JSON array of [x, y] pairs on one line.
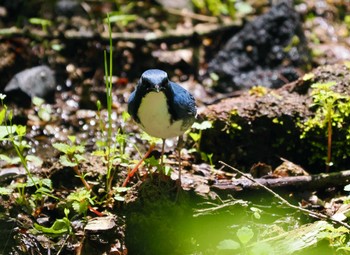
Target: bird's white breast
[[155, 117]]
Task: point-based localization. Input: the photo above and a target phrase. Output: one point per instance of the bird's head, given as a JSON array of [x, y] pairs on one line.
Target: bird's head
[[154, 80]]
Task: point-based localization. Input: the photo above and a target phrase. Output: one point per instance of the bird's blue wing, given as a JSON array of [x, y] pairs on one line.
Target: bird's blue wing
[[183, 104], [133, 105]]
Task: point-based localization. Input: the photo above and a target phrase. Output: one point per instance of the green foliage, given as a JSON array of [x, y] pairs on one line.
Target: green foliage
[[153, 162], [231, 8], [80, 200], [216, 8], [245, 234], [118, 191], [332, 110], [72, 153], [44, 23], [122, 20], [59, 227], [228, 244], [196, 134], [337, 237], [14, 134], [43, 111]]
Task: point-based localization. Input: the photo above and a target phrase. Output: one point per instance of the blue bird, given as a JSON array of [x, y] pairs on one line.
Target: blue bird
[[161, 108]]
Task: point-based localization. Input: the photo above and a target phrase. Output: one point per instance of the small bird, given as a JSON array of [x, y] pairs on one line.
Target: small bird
[[162, 108]]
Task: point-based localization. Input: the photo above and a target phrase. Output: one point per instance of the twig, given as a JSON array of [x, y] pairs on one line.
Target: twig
[[284, 201], [192, 15]]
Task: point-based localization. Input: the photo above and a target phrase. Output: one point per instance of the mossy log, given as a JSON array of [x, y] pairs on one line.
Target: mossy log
[[262, 125]]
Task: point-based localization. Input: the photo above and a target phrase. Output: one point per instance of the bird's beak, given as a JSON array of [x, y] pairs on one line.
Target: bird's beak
[[157, 87]]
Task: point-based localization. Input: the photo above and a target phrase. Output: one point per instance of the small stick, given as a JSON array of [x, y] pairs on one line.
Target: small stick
[[284, 201]]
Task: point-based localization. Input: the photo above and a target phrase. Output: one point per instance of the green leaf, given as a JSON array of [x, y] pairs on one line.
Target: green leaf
[[201, 126], [347, 187], [79, 158], [262, 249], [121, 189], [33, 181], [40, 21], [228, 244], [125, 116], [308, 76], [195, 136], [118, 197], [2, 115], [72, 138], [21, 130], [5, 191], [37, 101], [152, 161], [5, 131], [44, 113], [65, 161], [58, 228], [245, 234], [243, 8], [36, 161], [79, 148], [61, 147], [43, 190], [5, 158], [116, 17]]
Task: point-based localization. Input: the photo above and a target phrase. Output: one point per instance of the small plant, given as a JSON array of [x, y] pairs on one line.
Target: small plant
[[111, 152], [231, 8], [59, 227], [258, 91], [197, 137], [80, 200], [44, 23], [244, 236], [43, 111], [216, 8], [331, 110], [72, 157]]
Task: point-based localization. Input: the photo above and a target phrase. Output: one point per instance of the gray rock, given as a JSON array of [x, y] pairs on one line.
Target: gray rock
[[268, 51], [38, 81]]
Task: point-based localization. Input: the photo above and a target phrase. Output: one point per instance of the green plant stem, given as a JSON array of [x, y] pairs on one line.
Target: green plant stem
[[108, 77], [76, 170]]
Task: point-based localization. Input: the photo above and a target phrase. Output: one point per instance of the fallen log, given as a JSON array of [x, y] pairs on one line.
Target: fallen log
[[308, 182]]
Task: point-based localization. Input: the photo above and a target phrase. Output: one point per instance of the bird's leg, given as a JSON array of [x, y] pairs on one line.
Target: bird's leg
[[133, 171], [161, 156], [178, 148]]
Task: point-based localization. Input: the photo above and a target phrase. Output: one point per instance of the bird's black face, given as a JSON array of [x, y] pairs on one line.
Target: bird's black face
[[154, 80]]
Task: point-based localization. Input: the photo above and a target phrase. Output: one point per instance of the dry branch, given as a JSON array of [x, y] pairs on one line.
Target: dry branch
[[310, 182]]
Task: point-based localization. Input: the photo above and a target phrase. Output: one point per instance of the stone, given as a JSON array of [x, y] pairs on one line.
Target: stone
[[268, 52], [38, 81]]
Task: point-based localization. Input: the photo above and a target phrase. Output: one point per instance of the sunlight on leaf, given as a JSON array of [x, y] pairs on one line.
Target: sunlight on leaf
[[65, 161], [245, 234], [262, 249], [5, 131], [202, 126], [5, 191], [228, 244], [2, 115]]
